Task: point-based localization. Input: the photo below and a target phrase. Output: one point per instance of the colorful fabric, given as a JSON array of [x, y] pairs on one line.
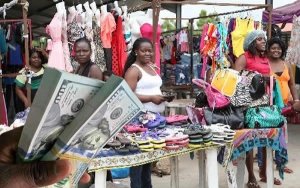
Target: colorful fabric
[[118, 161], [247, 139]]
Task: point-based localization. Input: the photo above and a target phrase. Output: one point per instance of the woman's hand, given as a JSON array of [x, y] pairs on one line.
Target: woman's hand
[[157, 99], [296, 105]]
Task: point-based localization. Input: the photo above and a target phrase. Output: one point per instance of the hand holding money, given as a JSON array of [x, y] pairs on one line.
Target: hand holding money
[[34, 174]]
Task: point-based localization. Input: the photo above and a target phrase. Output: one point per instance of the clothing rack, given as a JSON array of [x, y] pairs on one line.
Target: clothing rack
[[191, 21], [20, 21], [7, 6], [174, 31]]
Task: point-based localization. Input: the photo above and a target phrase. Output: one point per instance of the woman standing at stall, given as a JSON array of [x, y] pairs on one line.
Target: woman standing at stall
[[36, 60], [141, 76], [282, 72], [254, 59]]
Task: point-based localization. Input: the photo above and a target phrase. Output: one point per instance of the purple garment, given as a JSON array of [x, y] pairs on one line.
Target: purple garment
[[283, 14]]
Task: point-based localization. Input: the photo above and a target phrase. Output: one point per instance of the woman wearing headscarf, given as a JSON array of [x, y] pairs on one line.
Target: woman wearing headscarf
[[255, 59]]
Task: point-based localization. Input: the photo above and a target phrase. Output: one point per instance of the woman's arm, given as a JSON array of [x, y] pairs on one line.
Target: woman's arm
[[22, 96], [95, 72], [291, 83], [132, 76], [240, 63]]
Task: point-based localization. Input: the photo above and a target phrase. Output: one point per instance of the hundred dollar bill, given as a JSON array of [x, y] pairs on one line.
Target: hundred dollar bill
[[101, 118], [60, 97]]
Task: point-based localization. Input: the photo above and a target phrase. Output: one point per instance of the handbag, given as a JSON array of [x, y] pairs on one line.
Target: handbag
[[264, 117], [234, 117], [225, 81], [214, 98], [247, 89]]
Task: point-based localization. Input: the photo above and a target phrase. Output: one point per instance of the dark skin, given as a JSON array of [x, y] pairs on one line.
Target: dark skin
[[240, 65], [277, 65], [144, 59], [35, 66], [29, 175], [83, 54]]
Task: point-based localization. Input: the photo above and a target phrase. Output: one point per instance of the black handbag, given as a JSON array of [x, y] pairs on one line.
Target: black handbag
[[232, 116], [201, 100]]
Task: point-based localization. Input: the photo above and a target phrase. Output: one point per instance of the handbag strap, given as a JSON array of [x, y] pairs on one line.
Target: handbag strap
[[201, 83], [271, 89]]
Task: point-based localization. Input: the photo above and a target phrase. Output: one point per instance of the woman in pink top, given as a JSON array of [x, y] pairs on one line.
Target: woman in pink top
[[254, 59]]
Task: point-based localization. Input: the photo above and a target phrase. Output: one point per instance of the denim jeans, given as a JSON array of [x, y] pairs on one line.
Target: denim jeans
[[186, 59], [140, 176], [182, 74], [260, 157]]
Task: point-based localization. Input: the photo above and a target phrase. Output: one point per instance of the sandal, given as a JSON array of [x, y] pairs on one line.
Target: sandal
[[276, 181]]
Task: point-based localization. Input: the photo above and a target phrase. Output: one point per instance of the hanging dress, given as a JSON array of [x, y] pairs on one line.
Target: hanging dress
[[99, 52], [146, 32], [118, 45], [293, 53], [74, 32], [56, 56], [242, 28], [65, 44]]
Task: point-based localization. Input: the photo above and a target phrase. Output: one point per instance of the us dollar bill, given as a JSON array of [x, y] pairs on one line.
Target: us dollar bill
[[59, 99], [101, 119]]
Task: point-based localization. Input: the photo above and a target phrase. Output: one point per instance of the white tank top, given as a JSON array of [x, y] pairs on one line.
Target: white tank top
[[149, 85]]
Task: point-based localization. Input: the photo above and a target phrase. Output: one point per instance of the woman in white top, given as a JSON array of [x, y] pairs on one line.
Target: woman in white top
[[141, 76]]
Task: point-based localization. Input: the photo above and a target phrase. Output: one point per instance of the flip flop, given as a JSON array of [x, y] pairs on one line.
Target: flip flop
[[276, 181]]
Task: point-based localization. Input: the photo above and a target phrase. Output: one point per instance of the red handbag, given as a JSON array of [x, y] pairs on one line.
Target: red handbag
[[214, 97]]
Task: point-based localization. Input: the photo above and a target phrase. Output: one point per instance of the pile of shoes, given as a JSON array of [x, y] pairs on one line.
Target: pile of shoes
[[152, 120], [177, 120], [120, 145], [198, 135], [222, 134]]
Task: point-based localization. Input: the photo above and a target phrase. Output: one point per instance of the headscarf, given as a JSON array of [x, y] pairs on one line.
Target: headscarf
[[253, 35]]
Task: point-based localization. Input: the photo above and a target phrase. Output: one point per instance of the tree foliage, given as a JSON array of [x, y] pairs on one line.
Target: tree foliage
[[168, 25], [202, 21]]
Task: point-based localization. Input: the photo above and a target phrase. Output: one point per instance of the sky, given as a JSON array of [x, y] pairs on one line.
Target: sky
[[190, 11]]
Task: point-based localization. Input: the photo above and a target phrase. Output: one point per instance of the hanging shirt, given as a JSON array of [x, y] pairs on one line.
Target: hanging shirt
[[108, 25], [242, 28]]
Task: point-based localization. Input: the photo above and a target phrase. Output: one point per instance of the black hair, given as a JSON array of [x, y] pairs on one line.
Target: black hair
[[276, 40], [39, 53], [132, 56], [252, 48], [83, 39]]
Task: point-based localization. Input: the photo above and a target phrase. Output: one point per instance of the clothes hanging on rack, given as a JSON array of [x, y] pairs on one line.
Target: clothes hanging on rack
[[99, 52], [293, 53], [56, 56], [242, 28], [74, 32], [119, 55]]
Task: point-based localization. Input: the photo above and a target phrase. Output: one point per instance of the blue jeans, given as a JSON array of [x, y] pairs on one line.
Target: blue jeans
[[260, 159], [140, 176]]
